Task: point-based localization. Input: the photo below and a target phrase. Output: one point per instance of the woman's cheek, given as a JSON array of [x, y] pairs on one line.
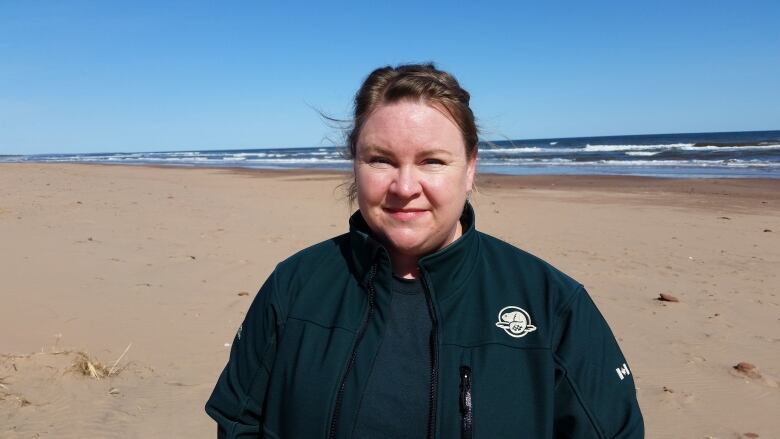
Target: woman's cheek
[[373, 183], [436, 186]]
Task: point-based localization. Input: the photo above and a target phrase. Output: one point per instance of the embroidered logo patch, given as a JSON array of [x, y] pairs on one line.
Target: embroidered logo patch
[[515, 321]]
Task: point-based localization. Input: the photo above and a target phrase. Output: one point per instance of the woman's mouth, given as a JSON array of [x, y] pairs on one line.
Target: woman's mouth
[[404, 214]]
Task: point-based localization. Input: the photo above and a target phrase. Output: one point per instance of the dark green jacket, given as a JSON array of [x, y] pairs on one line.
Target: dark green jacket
[[520, 349]]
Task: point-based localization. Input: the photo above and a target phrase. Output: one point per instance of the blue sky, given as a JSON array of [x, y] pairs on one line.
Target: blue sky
[[88, 76]]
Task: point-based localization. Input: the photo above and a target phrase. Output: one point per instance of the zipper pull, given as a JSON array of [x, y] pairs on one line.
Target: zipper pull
[[466, 409]]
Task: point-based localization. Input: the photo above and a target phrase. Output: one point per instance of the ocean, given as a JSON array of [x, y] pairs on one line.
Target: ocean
[[748, 154]]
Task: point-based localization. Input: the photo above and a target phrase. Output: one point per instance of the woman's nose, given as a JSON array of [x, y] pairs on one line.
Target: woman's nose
[[406, 183]]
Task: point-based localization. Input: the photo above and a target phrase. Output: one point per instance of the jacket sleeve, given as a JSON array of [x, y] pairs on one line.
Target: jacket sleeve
[[595, 395], [237, 400]]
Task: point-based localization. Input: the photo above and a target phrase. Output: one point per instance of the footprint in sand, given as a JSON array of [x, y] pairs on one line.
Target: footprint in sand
[[749, 371], [677, 397]]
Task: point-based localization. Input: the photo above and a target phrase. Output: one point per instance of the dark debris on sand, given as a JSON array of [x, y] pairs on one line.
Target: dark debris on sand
[[666, 297]]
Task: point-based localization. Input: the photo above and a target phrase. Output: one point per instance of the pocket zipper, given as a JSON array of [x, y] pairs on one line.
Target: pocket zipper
[[466, 408]]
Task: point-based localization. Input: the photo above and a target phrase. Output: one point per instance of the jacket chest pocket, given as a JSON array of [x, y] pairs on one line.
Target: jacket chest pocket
[[466, 404], [501, 393]]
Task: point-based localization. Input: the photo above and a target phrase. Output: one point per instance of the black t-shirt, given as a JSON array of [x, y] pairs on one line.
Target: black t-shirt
[[397, 397]]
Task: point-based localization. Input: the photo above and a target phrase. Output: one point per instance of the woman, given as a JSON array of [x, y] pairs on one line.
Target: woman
[[414, 324]]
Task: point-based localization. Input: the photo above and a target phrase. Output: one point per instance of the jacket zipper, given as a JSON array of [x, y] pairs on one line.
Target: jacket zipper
[[434, 361], [466, 408], [351, 362]]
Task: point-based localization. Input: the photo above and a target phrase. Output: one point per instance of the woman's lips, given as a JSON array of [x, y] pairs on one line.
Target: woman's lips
[[404, 214]]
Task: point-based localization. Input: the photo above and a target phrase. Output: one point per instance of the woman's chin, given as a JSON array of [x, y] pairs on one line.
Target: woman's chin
[[411, 248]]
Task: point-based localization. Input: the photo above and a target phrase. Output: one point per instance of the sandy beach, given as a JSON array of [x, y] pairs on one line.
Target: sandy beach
[[142, 275]]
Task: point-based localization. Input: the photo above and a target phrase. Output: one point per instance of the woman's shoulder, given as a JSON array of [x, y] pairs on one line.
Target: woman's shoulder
[[515, 261], [307, 283], [325, 255], [315, 252]]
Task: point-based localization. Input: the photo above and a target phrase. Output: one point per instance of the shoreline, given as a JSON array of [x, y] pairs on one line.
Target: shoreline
[[531, 181], [737, 192]]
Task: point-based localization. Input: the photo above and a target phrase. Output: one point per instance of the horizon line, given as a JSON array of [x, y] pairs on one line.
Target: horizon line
[[480, 141]]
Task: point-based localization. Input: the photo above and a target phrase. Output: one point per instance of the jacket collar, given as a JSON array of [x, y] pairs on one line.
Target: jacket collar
[[444, 271]]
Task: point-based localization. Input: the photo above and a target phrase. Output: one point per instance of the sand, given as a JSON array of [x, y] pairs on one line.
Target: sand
[[162, 263]]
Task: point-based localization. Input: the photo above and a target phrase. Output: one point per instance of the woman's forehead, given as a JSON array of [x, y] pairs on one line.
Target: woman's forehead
[[409, 124]]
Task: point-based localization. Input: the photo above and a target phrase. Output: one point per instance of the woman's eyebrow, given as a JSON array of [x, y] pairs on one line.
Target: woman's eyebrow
[[374, 149], [436, 151]]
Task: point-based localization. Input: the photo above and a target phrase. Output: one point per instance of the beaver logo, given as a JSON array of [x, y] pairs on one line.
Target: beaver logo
[[515, 321]]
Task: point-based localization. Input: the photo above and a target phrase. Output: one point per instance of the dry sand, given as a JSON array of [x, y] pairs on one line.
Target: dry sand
[[166, 260]]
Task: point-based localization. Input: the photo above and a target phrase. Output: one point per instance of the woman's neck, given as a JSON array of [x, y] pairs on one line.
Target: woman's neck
[[405, 266]]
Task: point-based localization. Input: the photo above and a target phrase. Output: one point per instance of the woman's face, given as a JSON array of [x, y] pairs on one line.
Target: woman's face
[[413, 177]]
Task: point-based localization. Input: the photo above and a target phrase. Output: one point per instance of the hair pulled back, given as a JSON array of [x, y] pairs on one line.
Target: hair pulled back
[[415, 82], [387, 85]]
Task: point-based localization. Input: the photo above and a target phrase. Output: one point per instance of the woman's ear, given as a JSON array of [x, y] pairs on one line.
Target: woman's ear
[[471, 172]]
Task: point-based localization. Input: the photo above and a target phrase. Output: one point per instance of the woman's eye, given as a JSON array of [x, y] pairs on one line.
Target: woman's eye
[[433, 162], [378, 160]]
